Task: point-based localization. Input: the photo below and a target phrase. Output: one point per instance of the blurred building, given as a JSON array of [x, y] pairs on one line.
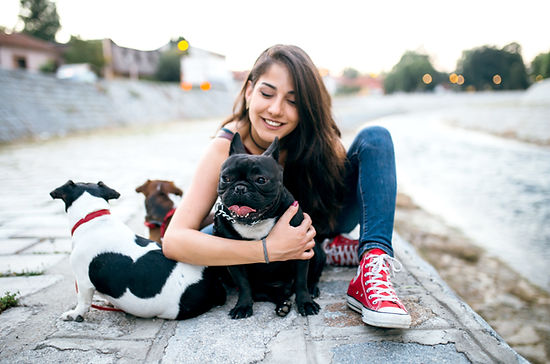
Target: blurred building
[[205, 69], [129, 62], [22, 51], [364, 84]]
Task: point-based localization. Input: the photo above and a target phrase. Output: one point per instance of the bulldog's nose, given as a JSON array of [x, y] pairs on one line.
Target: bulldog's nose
[[240, 189]]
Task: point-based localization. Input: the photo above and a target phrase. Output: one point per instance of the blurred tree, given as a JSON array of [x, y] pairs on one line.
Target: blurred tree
[[489, 68], [168, 69], [408, 74], [540, 67], [174, 44], [348, 89], [40, 18], [169, 66], [350, 73], [85, 51], [49, 67]]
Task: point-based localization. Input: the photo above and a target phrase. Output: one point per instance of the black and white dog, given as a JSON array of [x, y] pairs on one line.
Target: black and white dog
[[252, 198], [129, 270]]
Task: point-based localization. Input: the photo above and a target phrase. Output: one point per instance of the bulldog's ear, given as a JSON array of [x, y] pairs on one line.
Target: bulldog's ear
[[237, 146], [273, 149], [106, 192]]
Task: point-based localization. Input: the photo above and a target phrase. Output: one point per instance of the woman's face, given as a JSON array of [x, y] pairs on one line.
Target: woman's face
[[272, 105]]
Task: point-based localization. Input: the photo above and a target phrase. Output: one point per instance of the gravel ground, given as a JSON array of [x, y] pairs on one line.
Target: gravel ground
[[516, 309]]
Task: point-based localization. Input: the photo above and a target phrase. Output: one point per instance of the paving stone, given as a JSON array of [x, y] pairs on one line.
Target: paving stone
[[36, 221], [25, 286], [394, 352], [12, 246], [8, 233], [199, 340], [12, 317], [50, 232], [28, 263], [50, 246]]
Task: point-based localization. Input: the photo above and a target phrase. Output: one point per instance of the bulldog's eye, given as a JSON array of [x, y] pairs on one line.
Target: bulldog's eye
[[261, 180], [225, 179]]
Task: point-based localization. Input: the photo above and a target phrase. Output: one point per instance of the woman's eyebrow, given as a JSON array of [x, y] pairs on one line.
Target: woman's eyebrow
[[275, 88], [269, 85]]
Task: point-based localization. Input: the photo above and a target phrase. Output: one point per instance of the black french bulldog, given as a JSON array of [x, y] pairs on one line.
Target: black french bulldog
[[252, 198]]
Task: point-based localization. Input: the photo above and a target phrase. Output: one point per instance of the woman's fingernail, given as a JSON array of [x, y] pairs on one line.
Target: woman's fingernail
[[295, 203]]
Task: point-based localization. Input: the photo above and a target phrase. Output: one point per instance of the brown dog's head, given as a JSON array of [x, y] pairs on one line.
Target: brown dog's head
[[158, 186], [157, 198]]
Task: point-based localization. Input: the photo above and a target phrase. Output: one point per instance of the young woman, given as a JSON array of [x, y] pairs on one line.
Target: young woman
[[284, 96]]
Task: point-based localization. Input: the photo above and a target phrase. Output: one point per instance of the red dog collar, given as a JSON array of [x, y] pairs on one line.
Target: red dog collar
[[89, 217], [164, 225]]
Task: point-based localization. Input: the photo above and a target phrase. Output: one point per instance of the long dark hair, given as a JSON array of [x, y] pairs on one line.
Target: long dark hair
[[314, 166]]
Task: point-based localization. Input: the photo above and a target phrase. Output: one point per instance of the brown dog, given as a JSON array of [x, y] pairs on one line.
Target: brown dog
[[159, 207]]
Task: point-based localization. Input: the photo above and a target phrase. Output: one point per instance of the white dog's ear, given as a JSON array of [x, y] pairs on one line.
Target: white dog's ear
[[106, 192], [273, 149], [237, 146]]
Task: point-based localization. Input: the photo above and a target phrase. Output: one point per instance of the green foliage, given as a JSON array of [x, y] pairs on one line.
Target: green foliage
[[25, 273], [480, 65], [540, 66], [8, 300], [350, 73], [169, 66], [348, 89], [49, 67], [85, 51], [174, 44], [168, 69], [40, 18], [407, 74]]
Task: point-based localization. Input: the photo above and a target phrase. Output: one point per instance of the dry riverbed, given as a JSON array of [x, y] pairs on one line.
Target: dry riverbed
[[516, 309]]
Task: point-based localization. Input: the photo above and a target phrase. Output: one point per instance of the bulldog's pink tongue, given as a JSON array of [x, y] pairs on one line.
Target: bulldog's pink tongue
[[241, 210]]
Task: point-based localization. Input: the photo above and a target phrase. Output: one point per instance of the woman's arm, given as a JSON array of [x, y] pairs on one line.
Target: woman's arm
[[183, 242]]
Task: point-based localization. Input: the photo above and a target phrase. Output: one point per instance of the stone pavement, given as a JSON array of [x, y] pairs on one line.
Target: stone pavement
[[34, 239]]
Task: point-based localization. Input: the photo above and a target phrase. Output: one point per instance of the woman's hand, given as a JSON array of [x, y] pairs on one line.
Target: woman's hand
[[286, 242]]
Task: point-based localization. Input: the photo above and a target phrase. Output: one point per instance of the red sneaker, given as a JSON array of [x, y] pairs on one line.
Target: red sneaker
[[371, 292], [341, 251]]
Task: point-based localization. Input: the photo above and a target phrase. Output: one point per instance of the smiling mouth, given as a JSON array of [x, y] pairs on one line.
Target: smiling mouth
[[272, 123]]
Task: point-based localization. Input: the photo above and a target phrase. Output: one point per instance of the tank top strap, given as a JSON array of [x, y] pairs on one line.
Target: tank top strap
[[228, 134], [225, 133]]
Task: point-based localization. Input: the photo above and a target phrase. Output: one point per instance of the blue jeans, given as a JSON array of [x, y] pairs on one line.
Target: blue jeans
[[371, 188]]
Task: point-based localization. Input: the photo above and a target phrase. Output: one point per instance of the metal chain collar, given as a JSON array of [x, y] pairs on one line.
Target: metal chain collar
[[219, 211]]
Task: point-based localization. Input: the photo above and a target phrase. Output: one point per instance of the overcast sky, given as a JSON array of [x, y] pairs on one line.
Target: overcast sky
[[369, 35]]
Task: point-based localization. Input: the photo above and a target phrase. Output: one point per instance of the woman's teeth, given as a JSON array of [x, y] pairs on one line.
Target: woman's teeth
[[273, 123]]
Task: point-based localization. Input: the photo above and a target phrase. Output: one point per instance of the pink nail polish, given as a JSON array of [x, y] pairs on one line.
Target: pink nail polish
[[295, 203]]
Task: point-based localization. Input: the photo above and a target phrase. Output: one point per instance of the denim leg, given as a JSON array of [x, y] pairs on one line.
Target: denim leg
[[371, 189], [208, 229]]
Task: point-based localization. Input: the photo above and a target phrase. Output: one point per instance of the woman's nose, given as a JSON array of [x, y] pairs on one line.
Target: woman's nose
[[276, 107]]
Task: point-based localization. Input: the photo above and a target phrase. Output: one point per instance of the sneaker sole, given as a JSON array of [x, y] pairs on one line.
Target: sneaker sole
[[379, 319]]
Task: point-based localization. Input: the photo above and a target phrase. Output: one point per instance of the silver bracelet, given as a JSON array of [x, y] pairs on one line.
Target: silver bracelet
[[265, 251]]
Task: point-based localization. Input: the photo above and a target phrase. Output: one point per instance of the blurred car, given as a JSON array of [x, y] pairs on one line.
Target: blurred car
[[80, 72]]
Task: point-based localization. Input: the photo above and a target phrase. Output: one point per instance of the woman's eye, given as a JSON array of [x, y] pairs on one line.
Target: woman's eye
[[292, 102], [264, 94], [261, 180]]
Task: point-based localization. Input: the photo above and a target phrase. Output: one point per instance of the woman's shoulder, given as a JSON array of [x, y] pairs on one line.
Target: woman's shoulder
[[228, 130]]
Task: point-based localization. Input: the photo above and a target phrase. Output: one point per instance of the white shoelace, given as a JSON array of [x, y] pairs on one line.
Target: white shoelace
[[382, 263], [341, 255]]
